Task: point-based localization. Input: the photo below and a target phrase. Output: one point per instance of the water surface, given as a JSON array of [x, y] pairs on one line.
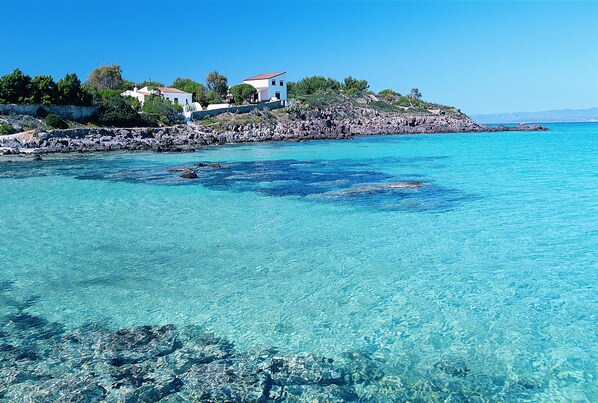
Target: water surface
[[490, 264]]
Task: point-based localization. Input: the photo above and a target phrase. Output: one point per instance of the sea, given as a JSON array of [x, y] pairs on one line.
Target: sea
[[479, 249]]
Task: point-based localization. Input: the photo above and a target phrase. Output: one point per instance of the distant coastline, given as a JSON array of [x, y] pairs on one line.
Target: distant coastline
[[589, 115]]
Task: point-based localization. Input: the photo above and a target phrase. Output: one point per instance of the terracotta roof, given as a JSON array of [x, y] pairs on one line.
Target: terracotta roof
[[264, 76], [167, 89]]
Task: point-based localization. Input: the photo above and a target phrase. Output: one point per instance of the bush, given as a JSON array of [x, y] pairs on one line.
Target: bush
[[353, 86], [242, 93], [312, 85], [56, 122], [117, 111], [6, 128], [41, 112], [157, 105]]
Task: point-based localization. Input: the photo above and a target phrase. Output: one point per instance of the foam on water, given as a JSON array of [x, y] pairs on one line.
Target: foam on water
[[487, 272]]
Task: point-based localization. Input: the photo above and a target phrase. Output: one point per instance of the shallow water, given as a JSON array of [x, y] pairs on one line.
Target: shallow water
[[490, 263]]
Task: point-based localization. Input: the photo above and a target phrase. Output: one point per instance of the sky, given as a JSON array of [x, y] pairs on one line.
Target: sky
[[480, 56]]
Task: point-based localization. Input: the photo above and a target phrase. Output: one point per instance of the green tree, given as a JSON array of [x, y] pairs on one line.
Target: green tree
[[212, 98], [116, 111], [150, 83], [242, 93], [414, 93], [14, 88], [390, 95], [157, 105], [311, 85], [70, 91], [107, 78], [193, 87], [352, 86], [43, 90], [218, 83]]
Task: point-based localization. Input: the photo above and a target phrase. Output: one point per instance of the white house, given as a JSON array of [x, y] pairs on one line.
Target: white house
[[175, 96], [269, 86]]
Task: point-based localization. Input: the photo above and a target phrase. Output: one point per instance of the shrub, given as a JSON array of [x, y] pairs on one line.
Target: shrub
[[312, 85], [6, 128], [353, 86], [157, 105], [242, 93], [56, 122], [41, 112], [117, 111]]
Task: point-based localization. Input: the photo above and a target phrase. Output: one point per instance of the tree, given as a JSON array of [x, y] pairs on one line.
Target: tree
[[150, 83], [43, 90], [188, 85], [212, 98], [117, 111], [242, 93], [390, 95], [414, 93], [218, 83], [311, 85], [14, 88], [107, 77], [70, 91], [352, 86], [157, 105]]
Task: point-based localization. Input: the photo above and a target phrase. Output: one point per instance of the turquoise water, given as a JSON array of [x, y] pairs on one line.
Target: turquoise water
[[492, 262]]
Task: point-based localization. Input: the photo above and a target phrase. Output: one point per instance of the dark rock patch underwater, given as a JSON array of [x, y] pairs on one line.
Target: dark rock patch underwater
[[344, 181], [42, 361]]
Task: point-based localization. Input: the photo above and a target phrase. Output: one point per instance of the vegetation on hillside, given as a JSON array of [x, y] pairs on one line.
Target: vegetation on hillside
[[105, 84], [20, 88]]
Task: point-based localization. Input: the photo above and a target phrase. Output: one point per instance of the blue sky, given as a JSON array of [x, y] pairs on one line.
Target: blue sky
[[481, 56]]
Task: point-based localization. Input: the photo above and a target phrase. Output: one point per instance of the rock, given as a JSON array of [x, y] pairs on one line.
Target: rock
[[37, 157], [453, 367], [211, 165], [189, 174]]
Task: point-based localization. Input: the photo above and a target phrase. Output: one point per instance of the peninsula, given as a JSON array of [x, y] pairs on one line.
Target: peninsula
[[108, 113]]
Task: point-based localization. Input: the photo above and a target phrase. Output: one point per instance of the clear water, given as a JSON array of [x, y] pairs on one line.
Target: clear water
[[493, 262]]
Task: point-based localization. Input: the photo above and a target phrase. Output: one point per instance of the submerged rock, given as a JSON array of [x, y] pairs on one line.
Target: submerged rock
[[204, 165], [189, 174]]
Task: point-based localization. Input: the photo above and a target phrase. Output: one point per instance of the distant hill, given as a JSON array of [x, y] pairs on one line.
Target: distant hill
[[562, 115]]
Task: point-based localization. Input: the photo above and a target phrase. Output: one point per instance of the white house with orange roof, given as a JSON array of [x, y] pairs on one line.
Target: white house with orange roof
[[269, 86], [174, 95]]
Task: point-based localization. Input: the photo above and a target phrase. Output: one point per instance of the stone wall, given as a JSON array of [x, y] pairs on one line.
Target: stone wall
[[236, 109], [69, 112]]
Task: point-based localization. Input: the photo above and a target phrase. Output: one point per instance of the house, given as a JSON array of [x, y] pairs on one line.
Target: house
[[174, 95], [269, 86]]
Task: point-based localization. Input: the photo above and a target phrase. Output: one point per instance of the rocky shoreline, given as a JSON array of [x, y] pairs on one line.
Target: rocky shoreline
[[293, 126]]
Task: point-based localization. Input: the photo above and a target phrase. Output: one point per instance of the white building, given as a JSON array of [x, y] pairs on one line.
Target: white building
[[269, 86], [175, 96]]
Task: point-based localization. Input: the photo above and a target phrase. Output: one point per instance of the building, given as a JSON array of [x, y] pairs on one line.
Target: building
[[175, 96], [269, 86]]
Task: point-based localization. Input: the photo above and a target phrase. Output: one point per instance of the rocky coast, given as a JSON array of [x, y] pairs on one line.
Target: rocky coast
[[337, 122]]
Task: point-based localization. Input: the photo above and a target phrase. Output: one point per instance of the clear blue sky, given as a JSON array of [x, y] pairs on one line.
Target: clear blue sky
[[478, 55]]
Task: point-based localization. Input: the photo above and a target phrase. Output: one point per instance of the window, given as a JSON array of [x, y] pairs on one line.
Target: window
[[273, 82], [277, 95], [281, 83], [176, 101]]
